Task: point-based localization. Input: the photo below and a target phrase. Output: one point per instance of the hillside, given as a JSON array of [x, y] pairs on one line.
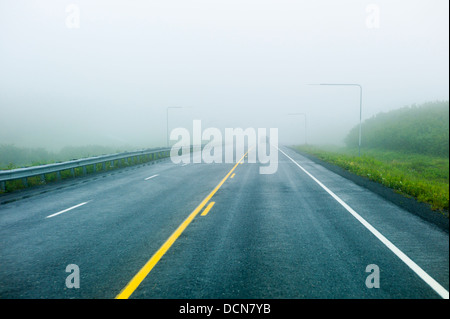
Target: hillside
[[422, 129], [406, 150]]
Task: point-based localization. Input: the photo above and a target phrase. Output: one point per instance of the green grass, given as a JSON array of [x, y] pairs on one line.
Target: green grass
[[18, 184], [423, 177], [417, 129]]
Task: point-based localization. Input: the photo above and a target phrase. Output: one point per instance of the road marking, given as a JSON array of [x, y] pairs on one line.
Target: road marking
[[208, 208], [145, 270], [151, 177], [184, 164], [66, 210], [411, 264], [232, 176]]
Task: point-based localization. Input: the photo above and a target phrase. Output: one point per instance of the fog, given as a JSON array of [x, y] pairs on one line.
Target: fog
[[105, 72]]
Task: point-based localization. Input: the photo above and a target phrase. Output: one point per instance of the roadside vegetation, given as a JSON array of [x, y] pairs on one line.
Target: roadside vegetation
[[12, 157], [406, 150]]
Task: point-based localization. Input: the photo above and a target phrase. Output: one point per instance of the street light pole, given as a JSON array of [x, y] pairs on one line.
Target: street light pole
[[305, 124], [167, 121], [360, 106]]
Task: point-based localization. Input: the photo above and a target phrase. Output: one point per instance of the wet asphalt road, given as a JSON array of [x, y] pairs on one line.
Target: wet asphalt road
[[277, 236]]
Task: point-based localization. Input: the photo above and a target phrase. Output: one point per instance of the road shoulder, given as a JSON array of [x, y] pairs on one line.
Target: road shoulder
[[410, 204]]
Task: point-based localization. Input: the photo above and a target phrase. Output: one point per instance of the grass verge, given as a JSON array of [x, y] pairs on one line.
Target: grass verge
[[19, 184], [426, 178]]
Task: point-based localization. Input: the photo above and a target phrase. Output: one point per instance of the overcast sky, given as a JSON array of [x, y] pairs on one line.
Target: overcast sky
[[104, 72]]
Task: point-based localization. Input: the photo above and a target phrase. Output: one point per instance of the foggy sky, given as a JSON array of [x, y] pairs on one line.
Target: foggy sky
[[233, 63]]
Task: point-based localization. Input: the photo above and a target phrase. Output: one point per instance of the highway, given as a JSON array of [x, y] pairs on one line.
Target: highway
[[143, 232]]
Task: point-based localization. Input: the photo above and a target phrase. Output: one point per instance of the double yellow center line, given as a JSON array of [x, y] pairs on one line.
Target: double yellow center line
[[140, 276]]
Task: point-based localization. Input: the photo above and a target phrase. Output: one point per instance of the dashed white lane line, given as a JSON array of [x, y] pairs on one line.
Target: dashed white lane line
[[66, 210], [151, 177]]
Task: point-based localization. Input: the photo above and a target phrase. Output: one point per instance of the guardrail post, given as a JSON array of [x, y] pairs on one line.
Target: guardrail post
[[128, 158]]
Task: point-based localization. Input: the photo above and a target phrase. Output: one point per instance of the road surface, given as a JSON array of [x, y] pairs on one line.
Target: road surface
[[143, 232]]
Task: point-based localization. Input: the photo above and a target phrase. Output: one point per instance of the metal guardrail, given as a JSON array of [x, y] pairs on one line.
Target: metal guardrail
[[42, 170]]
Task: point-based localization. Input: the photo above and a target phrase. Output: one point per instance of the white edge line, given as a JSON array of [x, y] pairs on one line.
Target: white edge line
[[151, 177], [66, 210], [411, 264]]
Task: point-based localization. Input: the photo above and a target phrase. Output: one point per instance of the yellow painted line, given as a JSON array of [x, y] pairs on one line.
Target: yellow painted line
[[232, 176], [140, 276], [208, 208]]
